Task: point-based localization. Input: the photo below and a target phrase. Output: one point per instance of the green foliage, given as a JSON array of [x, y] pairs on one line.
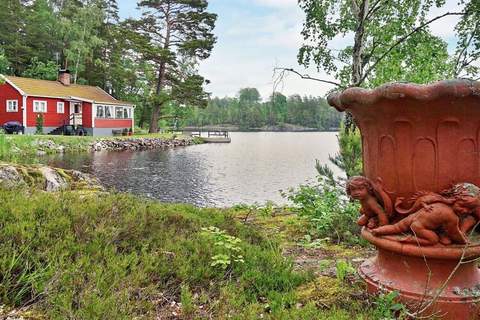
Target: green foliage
[[110, 256], [4, 63], [248, 112], [228, 250], [382, 48], [343, 269], [386, 307], [186, 299], [328, 211], [467, 51], [349, 157], [430, 62], [39, 124], [40, 70]]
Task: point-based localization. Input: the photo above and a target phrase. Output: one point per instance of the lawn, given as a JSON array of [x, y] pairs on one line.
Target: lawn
[[96, 255]]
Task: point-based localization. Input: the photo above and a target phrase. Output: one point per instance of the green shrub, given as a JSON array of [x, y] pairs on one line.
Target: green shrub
[[39, 124], [228, 250], [387, 307], [348, 159], [328, 210]]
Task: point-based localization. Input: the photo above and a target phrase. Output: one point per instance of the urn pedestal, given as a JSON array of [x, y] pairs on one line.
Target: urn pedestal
[[421, 138]]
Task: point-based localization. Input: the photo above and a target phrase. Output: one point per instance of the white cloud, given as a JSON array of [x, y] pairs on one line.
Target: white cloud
[[277, 3], [251, 45]]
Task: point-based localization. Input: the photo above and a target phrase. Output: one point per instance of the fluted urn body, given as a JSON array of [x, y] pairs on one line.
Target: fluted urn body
[[422, 139], [417, 137]]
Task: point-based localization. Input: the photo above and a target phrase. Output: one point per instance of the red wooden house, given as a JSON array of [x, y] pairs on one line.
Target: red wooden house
[[62, 104]]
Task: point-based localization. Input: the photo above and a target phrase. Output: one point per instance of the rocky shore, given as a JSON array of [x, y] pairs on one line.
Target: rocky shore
[[15, 148], [138, 144]]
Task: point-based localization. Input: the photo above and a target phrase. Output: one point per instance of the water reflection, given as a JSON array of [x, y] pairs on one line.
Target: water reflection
[[253, 168]]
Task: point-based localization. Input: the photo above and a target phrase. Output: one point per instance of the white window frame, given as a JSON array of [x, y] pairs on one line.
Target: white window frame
[[15, 105], [119, 109], [61, 107], [40, 109], [102, 107], [111, 111]]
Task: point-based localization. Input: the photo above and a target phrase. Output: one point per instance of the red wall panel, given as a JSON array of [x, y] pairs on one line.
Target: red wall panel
[[7, 92], [113, 123], [51, 118], [87, 115]]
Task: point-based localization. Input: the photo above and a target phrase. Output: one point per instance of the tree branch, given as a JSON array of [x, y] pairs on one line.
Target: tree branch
[[307, 77], [374, 8], [463, 52], [402, 39]]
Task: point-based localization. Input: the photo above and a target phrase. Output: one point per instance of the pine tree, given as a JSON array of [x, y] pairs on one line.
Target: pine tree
[[174, 35]]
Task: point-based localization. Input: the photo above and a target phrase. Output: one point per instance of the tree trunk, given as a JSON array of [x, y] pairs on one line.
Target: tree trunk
[[157, 107], [359, 44], [357, 60]]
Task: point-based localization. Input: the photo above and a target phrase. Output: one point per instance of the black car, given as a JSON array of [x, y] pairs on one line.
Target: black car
[[12, 127]]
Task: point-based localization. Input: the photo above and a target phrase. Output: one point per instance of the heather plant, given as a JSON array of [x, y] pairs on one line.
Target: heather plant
[[110, 256]]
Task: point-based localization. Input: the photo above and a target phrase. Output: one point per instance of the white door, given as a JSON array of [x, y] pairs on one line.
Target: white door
[[76, 113]]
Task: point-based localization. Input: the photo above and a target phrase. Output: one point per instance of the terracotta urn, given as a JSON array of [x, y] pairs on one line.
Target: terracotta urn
[[419, 194]]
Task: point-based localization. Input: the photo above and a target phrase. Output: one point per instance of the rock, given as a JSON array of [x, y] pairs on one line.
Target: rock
[[10, 177], [85, 181], [53, 180], [135, 144]]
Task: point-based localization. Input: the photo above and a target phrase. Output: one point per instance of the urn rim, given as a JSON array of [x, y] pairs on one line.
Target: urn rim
[[456, 88]]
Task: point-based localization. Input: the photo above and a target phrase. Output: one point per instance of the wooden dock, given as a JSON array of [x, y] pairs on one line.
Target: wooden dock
[[210, 136]]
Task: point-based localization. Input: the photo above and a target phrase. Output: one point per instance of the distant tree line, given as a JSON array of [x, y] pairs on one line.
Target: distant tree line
[[249, 112], [151, 61]]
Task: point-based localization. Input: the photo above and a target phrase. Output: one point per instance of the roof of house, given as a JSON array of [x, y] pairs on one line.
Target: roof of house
[[55, 89]]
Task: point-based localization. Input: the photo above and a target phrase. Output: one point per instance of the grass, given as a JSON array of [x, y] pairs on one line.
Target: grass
[[72, 255], [25, 148]]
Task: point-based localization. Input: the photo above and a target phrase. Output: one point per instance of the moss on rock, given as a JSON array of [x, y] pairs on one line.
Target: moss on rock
[[46, 178]]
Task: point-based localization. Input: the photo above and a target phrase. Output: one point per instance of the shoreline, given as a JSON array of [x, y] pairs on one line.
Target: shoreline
[[263, 129], [18, 148]]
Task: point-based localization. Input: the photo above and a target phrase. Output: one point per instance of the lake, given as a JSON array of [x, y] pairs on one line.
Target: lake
[[252, 169]]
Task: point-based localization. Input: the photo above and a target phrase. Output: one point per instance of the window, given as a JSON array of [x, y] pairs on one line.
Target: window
[[60, 107], [39, 106], [100, 112], [118, 112], [125, 113], [12, 105], [77, 108], [108, 112]]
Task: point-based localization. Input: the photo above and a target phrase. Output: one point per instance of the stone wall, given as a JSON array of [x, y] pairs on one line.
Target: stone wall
[[134, 144]]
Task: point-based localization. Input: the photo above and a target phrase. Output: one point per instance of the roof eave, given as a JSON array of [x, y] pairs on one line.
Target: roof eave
[[13, 85]]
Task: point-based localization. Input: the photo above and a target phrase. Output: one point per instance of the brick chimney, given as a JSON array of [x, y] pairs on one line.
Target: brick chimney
[[64, 76]]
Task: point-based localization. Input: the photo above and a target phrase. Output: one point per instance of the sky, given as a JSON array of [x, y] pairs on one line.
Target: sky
[[254, 36]]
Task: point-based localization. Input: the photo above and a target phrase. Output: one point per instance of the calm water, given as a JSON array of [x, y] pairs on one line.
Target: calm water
[[251, 169]]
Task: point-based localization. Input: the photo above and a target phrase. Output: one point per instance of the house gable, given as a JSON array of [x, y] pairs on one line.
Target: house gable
[[8, 92]]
